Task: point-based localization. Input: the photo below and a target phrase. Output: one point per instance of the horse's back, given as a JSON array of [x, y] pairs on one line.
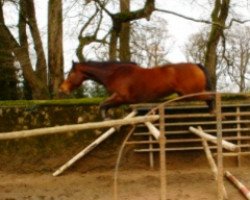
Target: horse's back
[[138, 84]]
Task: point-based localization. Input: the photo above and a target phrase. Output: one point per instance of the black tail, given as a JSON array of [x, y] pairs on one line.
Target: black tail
[[208, 78], [211, 100]]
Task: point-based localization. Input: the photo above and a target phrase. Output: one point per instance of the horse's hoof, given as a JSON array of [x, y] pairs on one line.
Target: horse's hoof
[[118, 128], [107, 119], [213, 113]]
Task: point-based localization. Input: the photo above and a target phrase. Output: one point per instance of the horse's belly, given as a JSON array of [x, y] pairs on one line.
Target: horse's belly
[[146, 94]]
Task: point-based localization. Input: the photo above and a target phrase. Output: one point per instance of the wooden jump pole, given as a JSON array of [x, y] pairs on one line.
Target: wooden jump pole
[[227, 145], [242, 188], [75, 127], [90, 147]]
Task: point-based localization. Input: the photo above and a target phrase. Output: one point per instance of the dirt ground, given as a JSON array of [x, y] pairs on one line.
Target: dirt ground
[[132, 185], [30, 177]]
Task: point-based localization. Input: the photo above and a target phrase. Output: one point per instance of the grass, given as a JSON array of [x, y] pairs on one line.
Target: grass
[[25, 103], [93, 101]]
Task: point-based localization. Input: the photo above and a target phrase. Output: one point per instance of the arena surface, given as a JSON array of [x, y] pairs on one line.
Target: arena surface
[[133, 185]]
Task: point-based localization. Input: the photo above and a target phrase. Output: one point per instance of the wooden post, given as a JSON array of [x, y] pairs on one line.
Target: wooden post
[[151, 153], [162, 142], [238, 135], [219, 147], [90, 147]]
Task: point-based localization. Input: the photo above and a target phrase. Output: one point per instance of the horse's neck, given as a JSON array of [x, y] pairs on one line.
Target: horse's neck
[[98, 73]]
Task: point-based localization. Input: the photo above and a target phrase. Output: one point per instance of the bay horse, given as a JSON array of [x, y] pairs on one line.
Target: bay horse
[[128, 83]]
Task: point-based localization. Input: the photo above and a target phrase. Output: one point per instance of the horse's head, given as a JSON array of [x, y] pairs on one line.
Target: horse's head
[[73, 80]]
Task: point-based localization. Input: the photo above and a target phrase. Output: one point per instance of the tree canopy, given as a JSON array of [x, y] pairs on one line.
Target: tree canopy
[[32, 57]]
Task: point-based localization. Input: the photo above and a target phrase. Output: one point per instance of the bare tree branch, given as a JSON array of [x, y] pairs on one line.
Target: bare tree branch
[[88, 39], [184, 16], [237, 21], [88, 22], [102, 6], [233, 20]]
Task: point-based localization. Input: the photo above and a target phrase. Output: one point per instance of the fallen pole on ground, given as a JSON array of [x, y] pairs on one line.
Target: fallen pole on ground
[[227, 145], [212, 163], [243, 189], [75, 127], [90, 147]]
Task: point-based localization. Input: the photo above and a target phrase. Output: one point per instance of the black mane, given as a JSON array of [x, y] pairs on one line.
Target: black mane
[[107, 63]]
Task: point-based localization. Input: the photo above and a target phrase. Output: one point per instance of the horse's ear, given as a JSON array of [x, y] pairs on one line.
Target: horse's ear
[[73, 64]]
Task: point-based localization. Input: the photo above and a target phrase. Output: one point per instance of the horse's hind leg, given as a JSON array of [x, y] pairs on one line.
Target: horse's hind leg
[[210, 101], [112, 101]]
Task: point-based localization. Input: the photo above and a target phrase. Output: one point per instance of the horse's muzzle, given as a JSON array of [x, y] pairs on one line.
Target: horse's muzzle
[[64, 89]]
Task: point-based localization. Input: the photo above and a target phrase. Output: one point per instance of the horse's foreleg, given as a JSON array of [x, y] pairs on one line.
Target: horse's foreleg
[[112, 101], [211, 105]]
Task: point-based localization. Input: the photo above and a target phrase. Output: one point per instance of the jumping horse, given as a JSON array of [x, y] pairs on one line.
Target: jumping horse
[[129, 83]]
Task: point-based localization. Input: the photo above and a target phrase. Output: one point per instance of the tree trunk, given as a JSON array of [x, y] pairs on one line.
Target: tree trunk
[[8, 79], [219, 16], [37, 85], [113, 40], [124, 18], [41, 66], [55, 46], [39, 89], [124, 52]]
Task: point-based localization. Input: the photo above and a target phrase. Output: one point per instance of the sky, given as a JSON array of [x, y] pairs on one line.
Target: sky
[[179, 29]]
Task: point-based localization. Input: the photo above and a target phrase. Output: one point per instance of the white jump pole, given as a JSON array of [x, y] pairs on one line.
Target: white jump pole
[[227, 145], [90, 147], [153, 130], [75, 127]]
